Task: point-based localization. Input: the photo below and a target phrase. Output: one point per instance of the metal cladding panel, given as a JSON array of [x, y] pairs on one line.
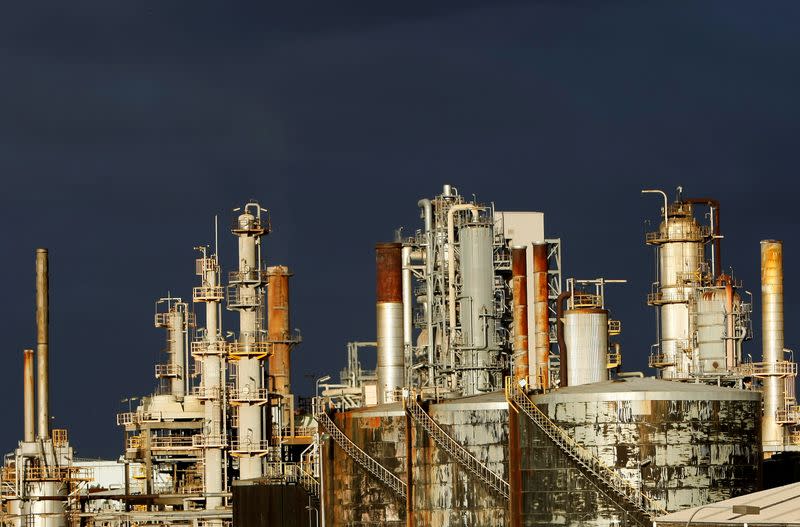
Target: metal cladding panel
[[586, 336], [675, 338], [391, 366], [711, 331], [270, 505]]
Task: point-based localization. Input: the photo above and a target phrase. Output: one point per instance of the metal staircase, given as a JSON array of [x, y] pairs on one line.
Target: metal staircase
[[639, 502], [361, 457], [452, 447]]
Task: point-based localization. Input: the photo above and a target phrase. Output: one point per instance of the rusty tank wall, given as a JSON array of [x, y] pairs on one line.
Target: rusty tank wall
[[684, 444], [444, 493]]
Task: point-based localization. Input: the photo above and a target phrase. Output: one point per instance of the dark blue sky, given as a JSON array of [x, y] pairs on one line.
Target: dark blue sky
[[125, 127]]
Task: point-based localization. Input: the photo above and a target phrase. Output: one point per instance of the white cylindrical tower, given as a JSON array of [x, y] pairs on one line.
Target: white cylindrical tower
[[245, 295], [210, 350], [772, 433], [586, 336], [680, 241]]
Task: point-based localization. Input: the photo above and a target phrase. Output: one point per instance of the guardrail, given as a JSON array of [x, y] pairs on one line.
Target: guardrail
[[458, 452], [768, 369], [603, 474], [360, 457]]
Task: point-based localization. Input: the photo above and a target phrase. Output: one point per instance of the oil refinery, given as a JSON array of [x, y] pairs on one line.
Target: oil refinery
[[498, 395]]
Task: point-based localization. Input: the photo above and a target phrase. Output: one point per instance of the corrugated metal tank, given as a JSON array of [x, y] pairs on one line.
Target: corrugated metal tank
[[683, 444], [586, 337], [711, 329]]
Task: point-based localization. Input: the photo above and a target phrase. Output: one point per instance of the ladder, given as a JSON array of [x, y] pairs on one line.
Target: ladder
[[609, 478], [361, 457], [452, 447]]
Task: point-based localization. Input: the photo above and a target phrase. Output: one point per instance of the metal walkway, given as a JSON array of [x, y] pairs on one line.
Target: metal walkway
[[361, 457], [452, 447], [607, 477]]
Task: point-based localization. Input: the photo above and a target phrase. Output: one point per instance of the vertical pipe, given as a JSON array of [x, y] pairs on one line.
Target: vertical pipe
[[42, 342], [562, 343], [175, 344], [409, 468], [28, 408], [541, 369], [278, 335], [519, 294], [389, 310], [407, 305], [514, 467], [772, 337]]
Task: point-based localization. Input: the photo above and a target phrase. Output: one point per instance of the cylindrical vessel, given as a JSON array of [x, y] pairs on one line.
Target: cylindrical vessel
[[389, 312], [519, 294], [714, 326], [42, 342], [541, 367], [680, 259], [47, 503], [586, 336], [278, 334], [176, 351], [772, 432], [28, 397], [476, 306]]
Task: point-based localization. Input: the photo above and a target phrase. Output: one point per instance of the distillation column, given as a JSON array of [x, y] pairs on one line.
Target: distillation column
[[772, 433], [389, 314], [211, 350], [245, 295], [174, 320], [278, 334]]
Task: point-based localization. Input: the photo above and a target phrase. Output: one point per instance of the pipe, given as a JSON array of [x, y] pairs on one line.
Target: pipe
[[389, 311], [451, 256], [28, 408], [278, 333], [666, 205], [519, 300], [407, 304], [427, 214], [42, 342], [772, 338], [715, 220], [562, 345], [541, 369]]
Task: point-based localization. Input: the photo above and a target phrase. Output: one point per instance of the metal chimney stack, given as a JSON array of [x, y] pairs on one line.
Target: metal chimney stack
[[42, 343], [389, 307], [519, 295], [29, 408], [772, 338], [541, 366]]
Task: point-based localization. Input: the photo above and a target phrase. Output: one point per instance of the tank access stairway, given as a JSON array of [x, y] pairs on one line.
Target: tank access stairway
[[452, 447], [359, 456], [635, 500]]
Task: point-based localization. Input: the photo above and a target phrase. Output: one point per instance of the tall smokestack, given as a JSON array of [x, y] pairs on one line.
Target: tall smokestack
[[28, 408], [772, 337], [278, 333], [42, 342], [541, 367], [519, 294], [389, 310]]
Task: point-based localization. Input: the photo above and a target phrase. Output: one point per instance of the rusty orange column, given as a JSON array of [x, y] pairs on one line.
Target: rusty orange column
[[278, 334], [519, 294], [389, 314], [541, 369]]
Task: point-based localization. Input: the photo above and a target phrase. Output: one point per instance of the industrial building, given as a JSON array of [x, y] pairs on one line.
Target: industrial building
[[498, 398]]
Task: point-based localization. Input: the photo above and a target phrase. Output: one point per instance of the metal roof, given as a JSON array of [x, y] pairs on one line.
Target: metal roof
[[779, 506]]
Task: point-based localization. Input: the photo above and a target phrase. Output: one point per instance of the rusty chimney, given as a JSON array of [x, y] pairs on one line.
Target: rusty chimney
[[42, 343], [541, 367], [279, 334], [28, 404], [519, 295], [389, 311]]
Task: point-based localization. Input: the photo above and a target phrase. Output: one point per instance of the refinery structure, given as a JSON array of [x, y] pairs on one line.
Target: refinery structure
[[498, 395]]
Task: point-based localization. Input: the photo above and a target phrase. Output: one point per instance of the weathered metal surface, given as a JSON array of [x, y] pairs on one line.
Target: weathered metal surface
[[688, 446], [772, 337], [389, 269], [278, 330], [259, 505], [520, 312], [42, 343], [540, 369], [28, 395]]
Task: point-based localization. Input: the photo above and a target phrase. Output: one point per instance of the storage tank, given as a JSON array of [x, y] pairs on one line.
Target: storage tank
[[586, 337], [683, 444]]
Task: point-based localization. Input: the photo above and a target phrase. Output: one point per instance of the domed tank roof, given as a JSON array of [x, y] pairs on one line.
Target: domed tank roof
[[643, 389]]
